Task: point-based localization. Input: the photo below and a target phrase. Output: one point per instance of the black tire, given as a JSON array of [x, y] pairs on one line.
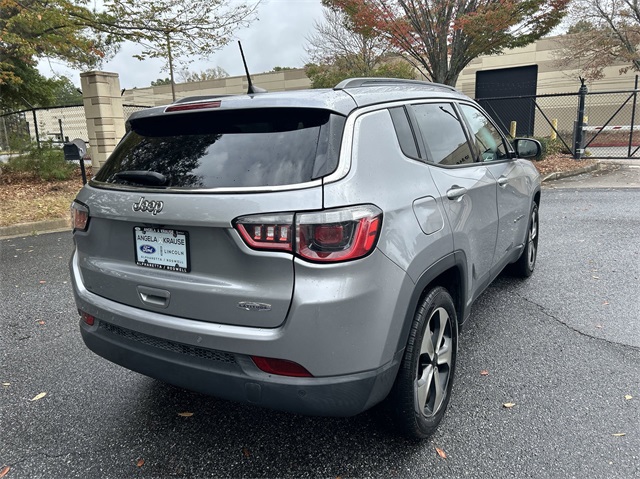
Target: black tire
[[527, 262], [422, 389]]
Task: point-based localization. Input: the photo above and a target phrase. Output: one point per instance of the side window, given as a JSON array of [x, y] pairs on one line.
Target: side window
[[404, 132], [442, 133], [488, 140]]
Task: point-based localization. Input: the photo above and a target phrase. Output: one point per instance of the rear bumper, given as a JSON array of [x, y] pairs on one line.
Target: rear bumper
[[235, 377]]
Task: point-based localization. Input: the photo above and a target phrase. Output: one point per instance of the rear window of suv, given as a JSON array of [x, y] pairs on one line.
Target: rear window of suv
[[221, 149]]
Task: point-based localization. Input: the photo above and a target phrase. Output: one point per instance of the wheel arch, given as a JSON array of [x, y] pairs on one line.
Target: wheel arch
[[448, 272]]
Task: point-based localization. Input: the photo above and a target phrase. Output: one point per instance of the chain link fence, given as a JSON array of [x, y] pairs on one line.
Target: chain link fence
[[610, 126], [56, 124]]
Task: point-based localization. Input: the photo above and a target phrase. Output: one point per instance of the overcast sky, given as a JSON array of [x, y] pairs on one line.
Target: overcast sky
[[277, 38]]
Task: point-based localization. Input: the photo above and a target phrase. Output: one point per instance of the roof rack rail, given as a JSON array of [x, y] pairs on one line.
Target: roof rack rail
[[189, 99], [377, 81]]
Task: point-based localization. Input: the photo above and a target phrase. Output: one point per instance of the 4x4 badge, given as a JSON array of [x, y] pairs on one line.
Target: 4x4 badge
[[153, 207]]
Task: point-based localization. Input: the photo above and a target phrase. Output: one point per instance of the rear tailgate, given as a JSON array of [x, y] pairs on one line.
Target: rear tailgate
[[226, 281], [160, 234]]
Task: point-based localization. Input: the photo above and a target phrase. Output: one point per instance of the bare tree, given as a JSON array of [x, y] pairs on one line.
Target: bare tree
[[177, 29], [605, 33], [339, 49], [335, 37]]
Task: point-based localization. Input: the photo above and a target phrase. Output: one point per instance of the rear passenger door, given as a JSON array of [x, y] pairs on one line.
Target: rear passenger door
[[512, 192], [467, 187]]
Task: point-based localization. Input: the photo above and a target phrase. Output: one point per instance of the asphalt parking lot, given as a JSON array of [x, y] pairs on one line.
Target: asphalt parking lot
[[564, 347]]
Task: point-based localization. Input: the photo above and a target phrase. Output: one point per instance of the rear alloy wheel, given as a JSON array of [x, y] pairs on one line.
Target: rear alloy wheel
[[423, 387], [527, 262]]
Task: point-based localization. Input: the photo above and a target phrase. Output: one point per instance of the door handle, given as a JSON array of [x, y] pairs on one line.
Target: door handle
[[503, 181], [456, 192]]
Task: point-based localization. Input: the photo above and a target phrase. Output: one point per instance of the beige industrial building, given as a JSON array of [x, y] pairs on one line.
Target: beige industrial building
[[550, 78]]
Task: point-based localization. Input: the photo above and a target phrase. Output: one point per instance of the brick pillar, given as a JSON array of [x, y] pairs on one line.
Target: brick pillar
[[103, 110]]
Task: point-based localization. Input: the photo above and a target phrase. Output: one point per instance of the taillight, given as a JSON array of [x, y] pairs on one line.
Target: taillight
[[327, 236], [267, 231], [79, 216], [281, 367], [337, 235]]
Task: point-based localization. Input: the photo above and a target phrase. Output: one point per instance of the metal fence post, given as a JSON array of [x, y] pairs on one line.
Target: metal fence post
[[578, 150], [633, 116], [35, 127]]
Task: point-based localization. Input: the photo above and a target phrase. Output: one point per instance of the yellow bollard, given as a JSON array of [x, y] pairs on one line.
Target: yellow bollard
[[512, 129], [554, 123]]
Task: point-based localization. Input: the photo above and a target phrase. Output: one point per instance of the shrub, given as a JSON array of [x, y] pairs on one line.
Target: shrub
[[46, 163]]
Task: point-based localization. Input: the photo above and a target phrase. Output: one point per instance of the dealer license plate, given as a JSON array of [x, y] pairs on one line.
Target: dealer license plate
[[162, 248]]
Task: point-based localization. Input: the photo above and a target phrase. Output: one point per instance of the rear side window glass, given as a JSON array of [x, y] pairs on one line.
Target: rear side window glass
[[443, 134], [236, 148], [403, 131]]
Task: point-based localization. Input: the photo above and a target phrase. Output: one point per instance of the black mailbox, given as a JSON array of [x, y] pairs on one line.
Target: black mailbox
[[74, 151], [71, 152]]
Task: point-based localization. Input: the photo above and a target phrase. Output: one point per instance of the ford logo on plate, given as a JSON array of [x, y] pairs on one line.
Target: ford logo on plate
[[147, 249]]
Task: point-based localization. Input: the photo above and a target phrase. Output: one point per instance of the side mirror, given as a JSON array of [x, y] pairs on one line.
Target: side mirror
[[527, 148]]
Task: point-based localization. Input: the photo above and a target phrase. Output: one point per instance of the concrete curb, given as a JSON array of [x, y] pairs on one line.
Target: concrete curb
[[567, 174], [35, 228]]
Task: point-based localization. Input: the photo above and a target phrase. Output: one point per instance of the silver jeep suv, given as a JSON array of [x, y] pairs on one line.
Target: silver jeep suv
[[310, 251]]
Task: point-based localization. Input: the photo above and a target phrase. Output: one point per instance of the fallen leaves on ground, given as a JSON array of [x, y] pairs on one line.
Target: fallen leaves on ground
[[560, 163], [484, 372], [508, 405], [140, 462], [628, 396], [185, 414], [38, 397], [4, 471], [441, 453], [25, 199]]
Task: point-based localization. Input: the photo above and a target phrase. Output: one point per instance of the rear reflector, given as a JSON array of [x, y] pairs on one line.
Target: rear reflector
[[193, 106], [87, 318], [79, 216], [281, 367]]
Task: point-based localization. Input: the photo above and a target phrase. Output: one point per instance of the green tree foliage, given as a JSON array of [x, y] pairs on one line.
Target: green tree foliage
[[209, 74], [329, 75], [338, 50], [161, 81], [71, 31], [33, 89], [441, 37], [65, 92], [55, 29]]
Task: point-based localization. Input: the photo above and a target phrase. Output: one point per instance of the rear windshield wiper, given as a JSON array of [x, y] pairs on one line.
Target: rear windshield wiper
[[151, 178]]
